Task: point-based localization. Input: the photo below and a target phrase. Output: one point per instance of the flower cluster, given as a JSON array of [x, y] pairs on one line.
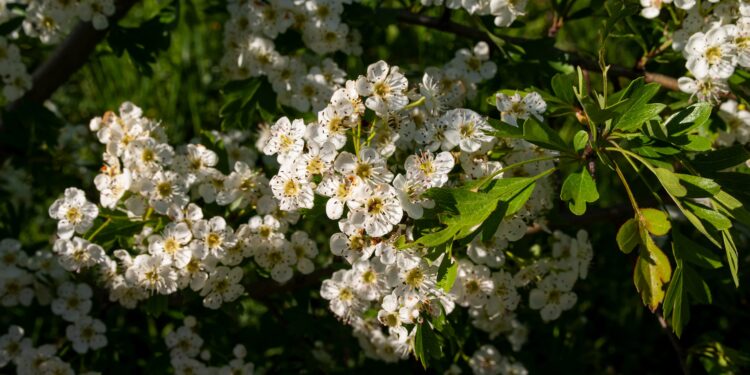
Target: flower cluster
[[714, 39], [149, 181], [249, 37], [188, 357], [412, 144], [50, 20], [24, 278]]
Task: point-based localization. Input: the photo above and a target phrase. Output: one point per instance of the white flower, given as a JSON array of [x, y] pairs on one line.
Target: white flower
[[86, 333], [339, 189], [244, 183], [183, 342], [305, 249], [432, 168], [737, 120], [339, 290], [286, 140], [488, 252], [466, 129], [369, 279], [12, 345], [353, 244], [77, 253], [97, 12], [706, 89], [279, 258], [75, 213], [153, 273], [504, 296], [487, 361], [472, 285], [15, 287], [553, 296], [73, 301], [512, 108], [166, 188], [292, 190], [222, 286], [410, 195], [376, 209], [711, 54], [197, 162], [385, 86], [506, 11], [173, 243], [368, 167], [651, 8], [213, 237]]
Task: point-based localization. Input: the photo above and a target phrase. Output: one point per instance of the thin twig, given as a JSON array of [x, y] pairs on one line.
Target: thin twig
[[573, 58], [675, 344]]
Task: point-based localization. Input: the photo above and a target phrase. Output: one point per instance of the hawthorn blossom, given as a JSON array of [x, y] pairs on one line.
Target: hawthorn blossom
[[74, 212]]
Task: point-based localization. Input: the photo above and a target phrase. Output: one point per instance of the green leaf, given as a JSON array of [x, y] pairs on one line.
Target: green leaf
[[437, 238], [637, 116], [689, 118], [676, 303], [637, 110], [671, 182], [717, 220], [690, 251], [652, 271], [732, 207], [517, 202], [447, 272], [655, 221], [504, 130], [723, 158], [542, 135], [579, 188], [698, 187], [732, 255], [580, 140], [562, 86], [426, 344], [627, 236]]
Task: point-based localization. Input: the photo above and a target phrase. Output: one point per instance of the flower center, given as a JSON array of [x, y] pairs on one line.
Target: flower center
[[414, 277], [374, 206], [213, 240], [73, 215], [164, 189], [291, 188]]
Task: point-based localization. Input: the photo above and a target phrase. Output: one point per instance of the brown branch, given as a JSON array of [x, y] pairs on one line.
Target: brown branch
[[69, 56], [570, 57]]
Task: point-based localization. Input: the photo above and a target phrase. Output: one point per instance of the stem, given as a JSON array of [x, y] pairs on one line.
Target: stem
[[102, 226], [675, 344], [627, 187]]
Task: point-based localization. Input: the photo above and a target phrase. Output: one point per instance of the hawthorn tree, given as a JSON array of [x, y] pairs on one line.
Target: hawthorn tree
[[286, 186]]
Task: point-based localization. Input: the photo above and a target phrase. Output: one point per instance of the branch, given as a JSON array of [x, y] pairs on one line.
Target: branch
[[572, 58], [69, 56]]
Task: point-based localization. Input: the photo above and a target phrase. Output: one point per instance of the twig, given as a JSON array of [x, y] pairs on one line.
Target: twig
[[675, 344]]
